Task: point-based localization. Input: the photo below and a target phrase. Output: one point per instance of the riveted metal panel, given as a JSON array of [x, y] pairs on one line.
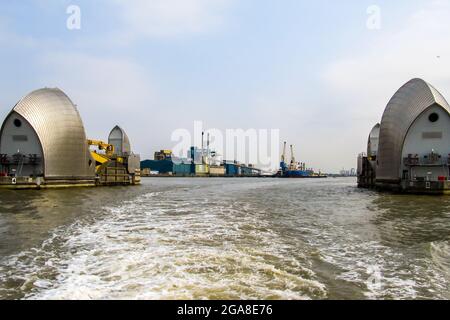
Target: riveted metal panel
[[60, 129], [405, 106]]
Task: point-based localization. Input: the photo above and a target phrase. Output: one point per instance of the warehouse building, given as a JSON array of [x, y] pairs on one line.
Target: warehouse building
[[410, 150]]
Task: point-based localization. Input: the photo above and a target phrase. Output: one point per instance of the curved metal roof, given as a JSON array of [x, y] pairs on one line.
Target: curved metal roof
[[125, 143], [405, 106], [374, 134], [60, 129]]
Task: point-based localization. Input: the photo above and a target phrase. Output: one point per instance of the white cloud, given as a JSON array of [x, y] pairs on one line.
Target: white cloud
[[167, 18], [329, 123], [107, 91], [361, 84], [370, 76], [101, 82]]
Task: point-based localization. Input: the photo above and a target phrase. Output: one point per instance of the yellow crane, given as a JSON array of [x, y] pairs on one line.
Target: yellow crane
[[101, 158], [109, 148]]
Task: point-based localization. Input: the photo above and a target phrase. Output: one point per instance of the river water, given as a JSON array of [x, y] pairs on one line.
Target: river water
[[224, 239]]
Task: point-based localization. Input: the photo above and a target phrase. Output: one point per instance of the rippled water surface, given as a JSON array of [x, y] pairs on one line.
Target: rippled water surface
[[224, 239]]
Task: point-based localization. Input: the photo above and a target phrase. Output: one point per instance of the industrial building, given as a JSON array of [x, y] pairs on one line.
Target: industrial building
[[217, 171], [163, 155], [201, 162], [43, 144], [409, 151], [187, 168]]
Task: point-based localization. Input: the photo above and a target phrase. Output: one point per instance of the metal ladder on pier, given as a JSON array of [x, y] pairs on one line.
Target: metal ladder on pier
[[20, 165]]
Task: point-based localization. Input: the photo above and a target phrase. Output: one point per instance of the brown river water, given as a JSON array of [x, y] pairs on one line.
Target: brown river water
[[224, 239]]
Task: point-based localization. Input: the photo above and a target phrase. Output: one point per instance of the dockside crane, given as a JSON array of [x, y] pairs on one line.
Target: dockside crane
[[283, 159], [111, 168], [108, 148], [100, 158], [293, 165]]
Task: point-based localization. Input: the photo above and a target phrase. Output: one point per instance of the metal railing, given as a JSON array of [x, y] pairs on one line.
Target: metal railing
[[20, 159], [428, 160]]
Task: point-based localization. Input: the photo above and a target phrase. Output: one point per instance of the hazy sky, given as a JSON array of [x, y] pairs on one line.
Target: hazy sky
[[312, 69]]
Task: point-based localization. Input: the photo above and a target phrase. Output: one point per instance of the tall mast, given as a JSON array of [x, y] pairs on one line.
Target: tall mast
[[283, 156], [292, 155], [207, 150], [203, 145]]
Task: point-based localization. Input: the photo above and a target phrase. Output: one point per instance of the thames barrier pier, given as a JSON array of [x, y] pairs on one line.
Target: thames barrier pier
[[409, 151], [43, 144]]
